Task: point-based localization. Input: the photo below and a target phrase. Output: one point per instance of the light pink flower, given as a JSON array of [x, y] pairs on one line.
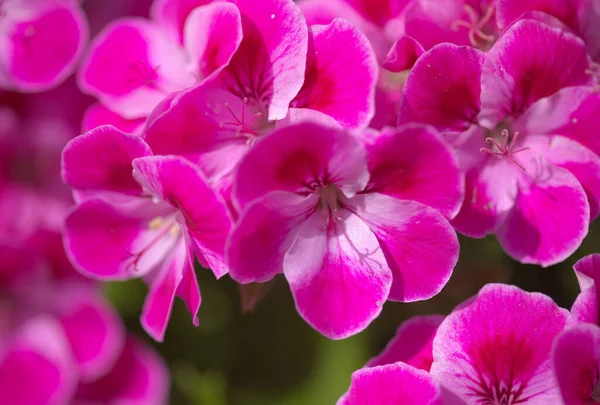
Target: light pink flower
[[311, 210], [526, 181], [40, 42], [496, 348], [149, 223]]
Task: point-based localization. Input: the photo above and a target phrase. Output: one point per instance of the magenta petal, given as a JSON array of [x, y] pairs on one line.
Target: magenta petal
[[213, 34], [565, 11], [349, 97], [498, 346], [182, 185], [392, 384], [93, 328], [172, 15], [419, 244], [36, 368], [271, 59], [443, 88], [514, 77], [291, 158], [338, 274], [97, 115], [100, 161], [42, 44], [403, 55], [412, 163], [550, 217], [587, 305], [264, 233], [131, 66], [576, 364], [412, 344]]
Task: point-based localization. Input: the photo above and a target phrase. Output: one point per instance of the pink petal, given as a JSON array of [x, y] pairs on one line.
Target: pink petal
[[140, 377], [419, 244], [443, 88], [264, 233], [294, 157], [412, 344], [514, 77], [97, 115], [392, 384], [576, 364], [131, 66], [378, 11], [338, 275], [183, 186], [403, 55], [550, 217], [269, 66], [43, 42], [499, 346], [93, 328], [587, 305], [412, 163], [349, 97], [173, 15], [100, 161], [213, 34]]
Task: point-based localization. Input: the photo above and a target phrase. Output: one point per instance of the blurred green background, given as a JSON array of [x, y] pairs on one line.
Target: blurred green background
[[270, 356]]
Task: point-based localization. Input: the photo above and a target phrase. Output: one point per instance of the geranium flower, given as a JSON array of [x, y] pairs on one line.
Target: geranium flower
[[506, 115], [40, 43], [496, 348], [342, 221], [149, 223], [587, 305]]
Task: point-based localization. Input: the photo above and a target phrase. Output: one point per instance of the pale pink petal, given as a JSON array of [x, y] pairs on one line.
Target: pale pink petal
[[131, 66], [412, 344], [338, 274], [403, 55], [419, 244], [499, 346], [392, 384], [172, 15], [349, 97], [587, 305], [514, 77], [295, 157], [413, 163], [264, 233], [577, 363], [183, 186], [212, 35], [97, 115]]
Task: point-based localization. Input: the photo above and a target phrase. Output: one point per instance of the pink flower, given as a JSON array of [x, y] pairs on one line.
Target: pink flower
[[346, 225], [496, 348], [40, 43], [149, 223], [392, 384], [526, 181], [576, 358], [134, 63], [586, 307]]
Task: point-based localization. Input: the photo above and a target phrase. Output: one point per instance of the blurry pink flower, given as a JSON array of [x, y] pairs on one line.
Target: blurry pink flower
[[392, 384], [526, 181], [587, 305], [149, 223], [496, 348], [309, 211], [135, 63], [40, 42]]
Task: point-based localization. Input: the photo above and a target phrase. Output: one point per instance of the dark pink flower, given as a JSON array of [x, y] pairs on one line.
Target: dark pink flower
[[508, 117], [149, 223], [587, 305], [311, 210], [40, 42], [496, 348]]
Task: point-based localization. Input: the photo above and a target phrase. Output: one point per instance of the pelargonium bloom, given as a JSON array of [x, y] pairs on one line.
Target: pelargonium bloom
[[587, 305], [346, 224], [509, 115], [135, 63], [40, 43], [496, 348], [142, 216], [577, 364]]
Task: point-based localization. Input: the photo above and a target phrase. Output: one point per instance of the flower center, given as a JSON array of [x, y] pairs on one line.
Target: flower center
[[246, 127], [143, 75], [594, 71], [330, 197], [504, 150], [163, 227], [476, 25]]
